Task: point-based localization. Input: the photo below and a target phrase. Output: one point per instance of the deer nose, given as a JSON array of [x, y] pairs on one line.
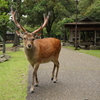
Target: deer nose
[[29, 45]]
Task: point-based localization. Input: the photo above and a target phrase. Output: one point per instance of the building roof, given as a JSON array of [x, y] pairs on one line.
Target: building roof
[[83, 23], [87, 19]]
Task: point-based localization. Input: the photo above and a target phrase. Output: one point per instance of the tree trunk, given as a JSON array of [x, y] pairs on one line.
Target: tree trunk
[[16, 40], [48, 28], [42, 36], [4, 38], [4, 46]]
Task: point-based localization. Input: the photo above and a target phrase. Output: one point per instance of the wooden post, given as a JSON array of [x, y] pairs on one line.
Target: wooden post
[[79, 36], [95, 37]]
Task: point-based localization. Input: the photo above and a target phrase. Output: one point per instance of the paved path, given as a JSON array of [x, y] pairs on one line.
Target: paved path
[[78, 79]]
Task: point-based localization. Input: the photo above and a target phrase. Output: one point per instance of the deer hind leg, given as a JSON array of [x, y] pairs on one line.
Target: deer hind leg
[[57, 69], [34, 76], [56, 66], [52, 77]]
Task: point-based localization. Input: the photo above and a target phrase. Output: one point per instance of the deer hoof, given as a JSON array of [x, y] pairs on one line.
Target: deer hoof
[[36, 85], [51, 79], [31, 91], [54, 82]]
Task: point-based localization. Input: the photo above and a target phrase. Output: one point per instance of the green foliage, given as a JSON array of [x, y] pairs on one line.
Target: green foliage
[[60, 10], [3, 4], [66, 20], [94, 10], [58, 28], [4, 18], [30, 29], [35, 12], [3, 14], [39, 6], [90, 8]]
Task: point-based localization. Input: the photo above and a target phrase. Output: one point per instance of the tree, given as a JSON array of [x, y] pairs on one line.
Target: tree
[[59, 9], [4, 18], [94, 10], [90, 8]]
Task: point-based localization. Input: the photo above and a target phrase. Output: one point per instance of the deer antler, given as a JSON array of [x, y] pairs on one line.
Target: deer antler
[[44, 24], [17, 24], [22, 28]]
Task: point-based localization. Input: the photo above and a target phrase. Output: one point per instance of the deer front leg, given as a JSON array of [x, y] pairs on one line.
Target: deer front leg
[[56, 74], [34, 76]]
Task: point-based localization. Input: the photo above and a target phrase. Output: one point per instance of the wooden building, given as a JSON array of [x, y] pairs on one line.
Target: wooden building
[[10, 36], [88, 32]]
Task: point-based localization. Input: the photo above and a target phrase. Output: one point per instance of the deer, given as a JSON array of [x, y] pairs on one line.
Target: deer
[[39, 51]]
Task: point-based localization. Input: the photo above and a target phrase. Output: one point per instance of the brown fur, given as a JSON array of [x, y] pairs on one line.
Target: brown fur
[[42, 51]]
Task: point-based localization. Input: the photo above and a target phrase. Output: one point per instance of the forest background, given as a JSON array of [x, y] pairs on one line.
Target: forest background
[[30, 15]]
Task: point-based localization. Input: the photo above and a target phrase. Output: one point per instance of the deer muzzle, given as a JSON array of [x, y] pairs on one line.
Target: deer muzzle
[[29, 46]]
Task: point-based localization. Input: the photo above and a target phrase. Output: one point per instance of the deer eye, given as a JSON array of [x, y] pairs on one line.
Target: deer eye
[[33, 39], [24, 38]]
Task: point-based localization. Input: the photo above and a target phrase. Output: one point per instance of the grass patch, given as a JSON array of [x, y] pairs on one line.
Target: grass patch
[[9, 45], [13, 77], [95, 53], [70, 47]]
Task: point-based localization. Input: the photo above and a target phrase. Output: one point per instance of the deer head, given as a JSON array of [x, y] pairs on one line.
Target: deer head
[[28, 38]]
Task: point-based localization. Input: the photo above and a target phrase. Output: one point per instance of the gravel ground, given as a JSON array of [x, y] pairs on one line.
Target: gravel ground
[[78, 79]]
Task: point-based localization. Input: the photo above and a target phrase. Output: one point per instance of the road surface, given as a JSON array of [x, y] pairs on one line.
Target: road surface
[[78, 79]]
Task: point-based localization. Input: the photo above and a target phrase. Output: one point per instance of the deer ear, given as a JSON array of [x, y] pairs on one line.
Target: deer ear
[[37, 35], [19, 34]]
